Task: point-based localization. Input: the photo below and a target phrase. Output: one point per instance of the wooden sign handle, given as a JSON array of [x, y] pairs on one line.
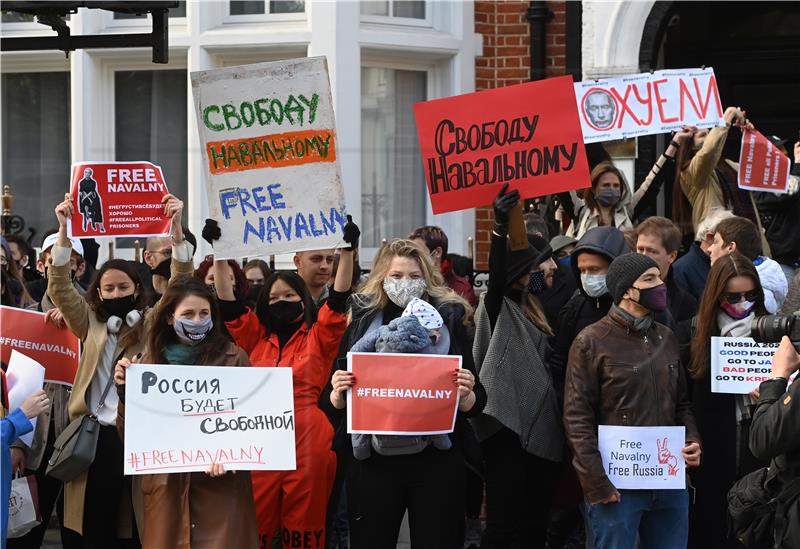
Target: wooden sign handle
[[516, 228]]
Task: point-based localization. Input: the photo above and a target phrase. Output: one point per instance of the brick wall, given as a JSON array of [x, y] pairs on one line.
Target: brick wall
[[506, 61]]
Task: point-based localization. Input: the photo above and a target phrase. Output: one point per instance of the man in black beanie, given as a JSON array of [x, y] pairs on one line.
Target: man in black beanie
[[624, 370]]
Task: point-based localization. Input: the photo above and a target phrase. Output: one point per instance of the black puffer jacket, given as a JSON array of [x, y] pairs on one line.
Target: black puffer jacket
[[582, 310]]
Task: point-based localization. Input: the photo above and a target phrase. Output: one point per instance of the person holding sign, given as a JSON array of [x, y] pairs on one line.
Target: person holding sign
[[428, 483], [732, 298], [109, 322], [519, 430], [624, 370], [182, 509], [281, 331]]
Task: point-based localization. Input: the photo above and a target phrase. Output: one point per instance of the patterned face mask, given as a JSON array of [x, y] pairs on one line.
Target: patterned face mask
[[536, 282], [402, 290]]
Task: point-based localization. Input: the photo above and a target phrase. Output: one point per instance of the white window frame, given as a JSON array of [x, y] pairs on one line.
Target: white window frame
[[265, 17], [428, 21]]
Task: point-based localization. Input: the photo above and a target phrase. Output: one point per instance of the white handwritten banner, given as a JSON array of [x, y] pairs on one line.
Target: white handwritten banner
[[185, 418], [268, 137], [739, 364], [643, 458], [648, 103]]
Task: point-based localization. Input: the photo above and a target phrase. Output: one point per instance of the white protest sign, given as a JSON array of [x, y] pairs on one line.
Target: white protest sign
[[739, 364], [648, 103], [643, 458], [184, 418], [25, 377], [268, 136]]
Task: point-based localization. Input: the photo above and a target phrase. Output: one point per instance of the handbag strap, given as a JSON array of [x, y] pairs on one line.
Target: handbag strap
[[109, 383]]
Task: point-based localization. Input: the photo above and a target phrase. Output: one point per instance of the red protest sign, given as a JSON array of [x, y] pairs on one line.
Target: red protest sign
[[762, 167], [118, 199], [54, 348], [528, 135], [402, 394]]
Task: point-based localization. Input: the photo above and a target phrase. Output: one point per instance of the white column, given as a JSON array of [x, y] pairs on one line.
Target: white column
[[334, 34]]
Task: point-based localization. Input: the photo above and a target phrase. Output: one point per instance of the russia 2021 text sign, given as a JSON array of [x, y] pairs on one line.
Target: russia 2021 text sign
[[648, 103], [268, 137], [527, 135], [186, 418], [739, 364]]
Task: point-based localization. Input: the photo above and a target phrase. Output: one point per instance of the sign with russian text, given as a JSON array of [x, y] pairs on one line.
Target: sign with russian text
[[643, 458], [186, 418], [54, 348], [402, 394], [526, 135], [117, 199], [268, 137], [648, 103], [762, 166], [739, 364]]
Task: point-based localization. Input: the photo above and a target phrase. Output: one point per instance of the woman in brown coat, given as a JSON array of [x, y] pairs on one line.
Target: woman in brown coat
[[192, 510]]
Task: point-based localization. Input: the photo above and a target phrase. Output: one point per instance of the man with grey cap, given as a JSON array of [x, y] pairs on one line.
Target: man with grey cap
[[624, 370]]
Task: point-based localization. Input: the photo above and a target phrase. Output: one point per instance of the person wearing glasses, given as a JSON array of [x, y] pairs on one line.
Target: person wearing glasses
[[733, 296]]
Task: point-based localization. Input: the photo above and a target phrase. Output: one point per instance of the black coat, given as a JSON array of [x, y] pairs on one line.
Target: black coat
[[779, 214]]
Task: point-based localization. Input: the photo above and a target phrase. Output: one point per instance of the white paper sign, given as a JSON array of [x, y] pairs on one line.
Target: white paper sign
[[25, 377], [643, 458], [648, 103], [268, 136], [185, 418], [739, 364]]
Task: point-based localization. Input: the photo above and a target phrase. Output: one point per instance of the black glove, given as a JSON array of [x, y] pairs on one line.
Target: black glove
[[503, 205], [351, 233], [211, 231]]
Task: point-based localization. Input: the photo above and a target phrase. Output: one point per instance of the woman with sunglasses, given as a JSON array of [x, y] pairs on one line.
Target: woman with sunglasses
[[732, 298]]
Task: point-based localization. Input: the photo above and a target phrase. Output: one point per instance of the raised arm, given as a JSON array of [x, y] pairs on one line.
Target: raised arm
[[493, 300], [698, 174], [60, 288], [182, 251], [663, 170]]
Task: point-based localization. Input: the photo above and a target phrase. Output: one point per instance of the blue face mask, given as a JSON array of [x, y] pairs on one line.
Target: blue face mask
[[565, 262]]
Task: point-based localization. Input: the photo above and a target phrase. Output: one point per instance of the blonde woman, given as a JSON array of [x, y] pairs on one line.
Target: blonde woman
[[429, 483]]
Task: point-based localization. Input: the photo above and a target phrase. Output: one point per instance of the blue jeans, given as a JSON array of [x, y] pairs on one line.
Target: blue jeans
[[659, 517]]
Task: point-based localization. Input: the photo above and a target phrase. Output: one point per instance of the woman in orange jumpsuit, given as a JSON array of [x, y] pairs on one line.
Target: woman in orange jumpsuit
[[282, 331]]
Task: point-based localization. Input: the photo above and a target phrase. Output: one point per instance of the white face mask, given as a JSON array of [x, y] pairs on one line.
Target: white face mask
[[402, 290], [594, 285], [192, 332]]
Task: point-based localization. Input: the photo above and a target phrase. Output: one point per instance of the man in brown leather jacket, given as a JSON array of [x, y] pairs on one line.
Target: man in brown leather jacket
[[624, 370]]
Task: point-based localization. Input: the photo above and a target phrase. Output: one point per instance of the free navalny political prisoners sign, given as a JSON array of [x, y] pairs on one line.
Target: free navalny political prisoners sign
[[117, 199], [268, 137], [527, 135]]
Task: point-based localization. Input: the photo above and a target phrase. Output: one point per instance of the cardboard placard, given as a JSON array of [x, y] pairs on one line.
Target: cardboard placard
[[117, 199], [527, 135], [762, 166], [54, 348], [648, 103], [186, 418], [643, 458], [402, 394], [268, 136]]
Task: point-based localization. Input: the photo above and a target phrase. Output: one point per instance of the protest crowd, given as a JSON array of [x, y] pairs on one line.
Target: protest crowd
[[604, 317]]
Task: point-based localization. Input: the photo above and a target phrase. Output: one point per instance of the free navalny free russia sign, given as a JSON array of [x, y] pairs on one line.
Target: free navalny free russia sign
[[268, 137]]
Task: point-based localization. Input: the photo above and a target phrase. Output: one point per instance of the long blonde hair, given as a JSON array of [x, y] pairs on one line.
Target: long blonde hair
[[372, 295]]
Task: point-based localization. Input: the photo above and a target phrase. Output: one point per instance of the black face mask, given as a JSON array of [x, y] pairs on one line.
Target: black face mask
[[284, 312], [162, 269], [120, 306]]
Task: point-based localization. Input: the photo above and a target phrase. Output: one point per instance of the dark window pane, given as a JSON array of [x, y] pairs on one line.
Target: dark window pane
[[287, 6], [16, 17], [409, 8], [247, 7], [150, 124], [393, 189], [180, 11], [374, 7], [36, 151]]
